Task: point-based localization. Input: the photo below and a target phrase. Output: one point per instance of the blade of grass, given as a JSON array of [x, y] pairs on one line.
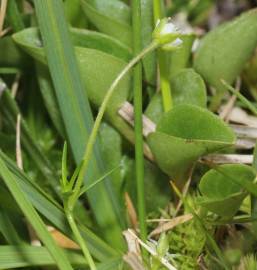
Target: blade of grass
[[10, 111], [25, 256], [33, 217], [3, 8], [76, 113], [137, 86], [7, 228], [253, 198], [244, 100], [47, 92], [14, 17], [28, 256], [47, 207], [93, 136], [87, 188]]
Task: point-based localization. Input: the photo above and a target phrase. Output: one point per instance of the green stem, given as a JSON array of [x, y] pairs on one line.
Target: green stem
[[164, 72], [93, 134], [164, 80], [137, 87], [157, 10], [79, 238]]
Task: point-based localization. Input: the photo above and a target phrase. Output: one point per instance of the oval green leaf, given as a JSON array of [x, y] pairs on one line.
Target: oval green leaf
[[224, 51], [110, 17], [100, 58], [183, 135], [98, 61], [222, 188], [187, 87]]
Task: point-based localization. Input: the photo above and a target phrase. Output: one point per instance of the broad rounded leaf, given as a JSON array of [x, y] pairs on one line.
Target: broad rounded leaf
[[224, 51], [184, 134], [187, 87], [222, 188], [226, 207], [30, 39], [110, 17], [100, 60]]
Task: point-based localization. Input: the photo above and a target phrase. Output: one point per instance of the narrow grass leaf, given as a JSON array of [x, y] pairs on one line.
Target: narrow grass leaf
[[29, 256], [49, 97], [10, 111], [244, 100], [76, 112], [14, 16], [33, 217], [7, 228], [54, 213], [25, 256]]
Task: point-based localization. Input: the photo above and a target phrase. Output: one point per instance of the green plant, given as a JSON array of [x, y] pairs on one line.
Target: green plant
[[81, 112]]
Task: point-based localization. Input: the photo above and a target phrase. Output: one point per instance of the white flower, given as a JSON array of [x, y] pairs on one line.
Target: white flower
[[167, 34], [168, 28]]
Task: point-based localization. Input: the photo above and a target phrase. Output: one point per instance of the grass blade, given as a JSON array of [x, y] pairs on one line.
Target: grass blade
[[244, 100], [14, 16], [10, 111], [54, 213], [47, 92], [7, 228], [33, 217], [25, 256], [76, 112]]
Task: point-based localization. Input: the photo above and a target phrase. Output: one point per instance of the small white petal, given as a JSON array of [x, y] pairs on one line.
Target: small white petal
[[168, 28]]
